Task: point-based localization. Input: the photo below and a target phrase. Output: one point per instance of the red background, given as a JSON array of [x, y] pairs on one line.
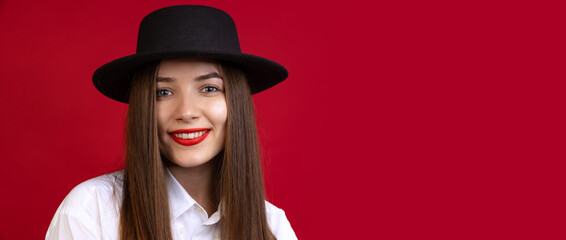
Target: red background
[[400, 119]]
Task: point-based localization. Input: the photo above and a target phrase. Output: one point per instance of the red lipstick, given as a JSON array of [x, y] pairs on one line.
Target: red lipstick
[[189, 142]]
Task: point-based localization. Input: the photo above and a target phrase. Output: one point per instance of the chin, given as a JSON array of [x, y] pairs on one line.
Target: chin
[[193, 161], [187, 162], [190, 164]]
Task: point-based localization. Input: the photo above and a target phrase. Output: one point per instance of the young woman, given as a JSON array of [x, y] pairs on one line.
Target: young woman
[[192, 158]]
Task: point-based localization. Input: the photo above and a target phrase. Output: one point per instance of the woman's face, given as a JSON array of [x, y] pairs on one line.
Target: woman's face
[[191, 111]]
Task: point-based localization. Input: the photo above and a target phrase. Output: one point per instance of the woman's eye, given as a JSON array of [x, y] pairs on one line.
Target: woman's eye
[[163, 92], [210, 89]]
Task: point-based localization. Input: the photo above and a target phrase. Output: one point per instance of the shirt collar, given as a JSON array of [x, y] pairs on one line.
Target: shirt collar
[[180, 201]]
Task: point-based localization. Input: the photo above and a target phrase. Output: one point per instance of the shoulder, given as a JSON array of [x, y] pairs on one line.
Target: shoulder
[[278, 222], [92, 193], [88, 210]]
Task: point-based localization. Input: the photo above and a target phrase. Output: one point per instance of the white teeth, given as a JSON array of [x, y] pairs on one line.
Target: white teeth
[[189, 135]]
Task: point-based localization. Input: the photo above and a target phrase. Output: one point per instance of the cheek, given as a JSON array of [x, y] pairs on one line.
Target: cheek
[[219, 113], [161, 113]]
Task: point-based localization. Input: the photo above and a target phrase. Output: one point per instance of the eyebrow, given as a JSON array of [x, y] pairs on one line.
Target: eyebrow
[[199, 78], [209, 75]]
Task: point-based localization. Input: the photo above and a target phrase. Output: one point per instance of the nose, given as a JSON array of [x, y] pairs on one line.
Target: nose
[[187, 109]]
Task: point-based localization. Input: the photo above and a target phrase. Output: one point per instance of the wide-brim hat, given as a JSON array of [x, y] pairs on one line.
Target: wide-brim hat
[[186, 30]]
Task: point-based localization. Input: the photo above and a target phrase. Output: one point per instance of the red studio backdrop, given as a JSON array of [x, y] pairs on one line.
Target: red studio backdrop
[[399, 120]]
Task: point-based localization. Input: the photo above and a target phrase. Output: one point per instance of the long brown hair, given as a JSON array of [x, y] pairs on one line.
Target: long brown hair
[[239, 190]]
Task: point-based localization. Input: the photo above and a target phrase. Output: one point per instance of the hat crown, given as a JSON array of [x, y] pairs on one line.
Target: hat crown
[[188, 28]]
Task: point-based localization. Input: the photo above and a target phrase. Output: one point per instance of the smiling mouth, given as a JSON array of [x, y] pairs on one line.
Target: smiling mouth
[[188, 137]]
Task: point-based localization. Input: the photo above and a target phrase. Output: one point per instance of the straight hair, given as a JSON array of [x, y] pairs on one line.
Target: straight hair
[[239, 189], [144, 213]]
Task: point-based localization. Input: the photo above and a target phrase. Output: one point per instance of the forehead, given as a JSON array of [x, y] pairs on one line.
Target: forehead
[[186, 67]]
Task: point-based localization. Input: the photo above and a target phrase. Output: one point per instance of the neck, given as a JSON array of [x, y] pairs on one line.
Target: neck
[[198, 182]]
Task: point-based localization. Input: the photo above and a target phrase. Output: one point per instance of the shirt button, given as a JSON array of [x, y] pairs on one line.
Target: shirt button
[[198, 209], [182, 230], [216, 235]]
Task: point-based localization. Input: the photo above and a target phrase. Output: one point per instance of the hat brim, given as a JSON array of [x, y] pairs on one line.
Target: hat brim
[[113, 79]]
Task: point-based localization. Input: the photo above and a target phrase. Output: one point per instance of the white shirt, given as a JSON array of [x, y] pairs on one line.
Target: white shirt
[[91, 211]]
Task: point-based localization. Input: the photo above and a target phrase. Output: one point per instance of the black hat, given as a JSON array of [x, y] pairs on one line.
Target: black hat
[[186, 30]]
